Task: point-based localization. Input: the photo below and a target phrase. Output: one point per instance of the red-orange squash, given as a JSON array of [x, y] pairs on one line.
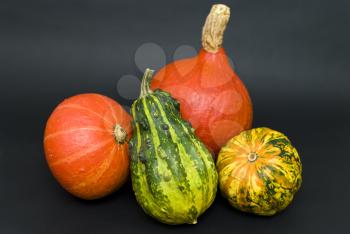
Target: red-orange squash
[[211, 95], [86, 145]]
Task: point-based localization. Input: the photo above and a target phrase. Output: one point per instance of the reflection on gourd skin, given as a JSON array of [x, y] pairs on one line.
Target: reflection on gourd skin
[[128, 85]]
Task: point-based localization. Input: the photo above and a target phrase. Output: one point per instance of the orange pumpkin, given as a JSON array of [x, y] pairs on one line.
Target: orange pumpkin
[[212, 97], [86, 145]]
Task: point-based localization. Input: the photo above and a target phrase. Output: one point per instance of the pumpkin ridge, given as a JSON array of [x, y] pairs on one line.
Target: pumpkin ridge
[[111, 110], [67, 131], [94, 177], [78, 107], [77, 155]]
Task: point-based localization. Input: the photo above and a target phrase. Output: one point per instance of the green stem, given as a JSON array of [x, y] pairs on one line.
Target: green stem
[[146, 81]]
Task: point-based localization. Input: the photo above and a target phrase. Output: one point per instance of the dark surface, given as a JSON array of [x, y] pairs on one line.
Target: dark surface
[[292, 55]]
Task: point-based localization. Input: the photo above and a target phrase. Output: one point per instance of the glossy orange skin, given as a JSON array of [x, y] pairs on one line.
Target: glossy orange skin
[[81, 149], [211, 95]]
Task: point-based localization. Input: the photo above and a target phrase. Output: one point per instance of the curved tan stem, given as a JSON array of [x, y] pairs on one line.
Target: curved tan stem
[[214, 27]]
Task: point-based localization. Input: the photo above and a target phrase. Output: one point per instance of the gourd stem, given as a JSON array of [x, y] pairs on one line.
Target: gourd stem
[[145, 83], [214, 27], [252, 157], [120, 134]]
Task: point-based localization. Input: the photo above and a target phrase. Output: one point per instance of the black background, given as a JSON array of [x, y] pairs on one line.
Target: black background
[[292, 55]]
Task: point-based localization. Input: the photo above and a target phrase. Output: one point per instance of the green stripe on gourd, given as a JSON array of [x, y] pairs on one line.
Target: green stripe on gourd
[[173, 174]]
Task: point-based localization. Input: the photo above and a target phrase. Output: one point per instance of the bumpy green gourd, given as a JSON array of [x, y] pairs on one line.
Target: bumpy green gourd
[[173, 174]]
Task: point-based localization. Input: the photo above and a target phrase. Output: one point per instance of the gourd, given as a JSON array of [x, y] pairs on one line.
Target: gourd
[[173, 174], [86, 145], [259, 171], [211, 95]]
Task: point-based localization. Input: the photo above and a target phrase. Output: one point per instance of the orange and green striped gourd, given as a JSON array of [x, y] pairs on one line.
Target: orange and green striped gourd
[[173, 174], [259, 171]]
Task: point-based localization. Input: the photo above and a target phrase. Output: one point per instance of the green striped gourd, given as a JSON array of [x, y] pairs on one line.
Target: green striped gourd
[[173, 174]]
